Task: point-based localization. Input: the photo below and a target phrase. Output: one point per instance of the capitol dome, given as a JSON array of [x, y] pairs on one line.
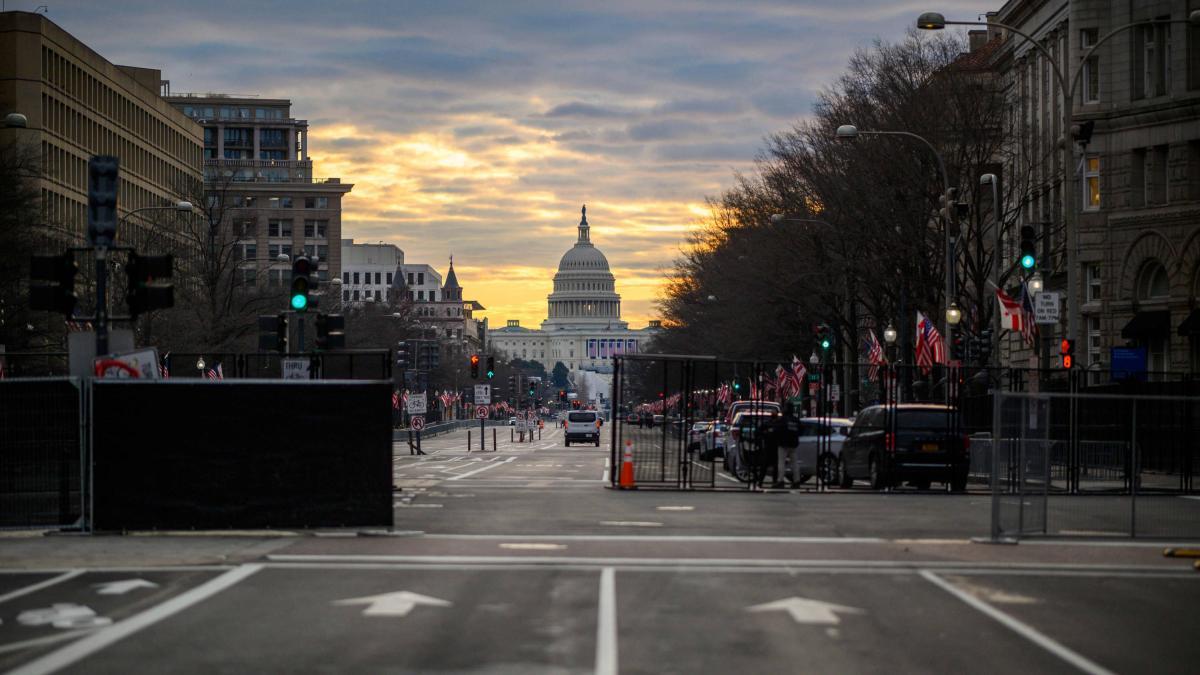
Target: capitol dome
[[584, 287]]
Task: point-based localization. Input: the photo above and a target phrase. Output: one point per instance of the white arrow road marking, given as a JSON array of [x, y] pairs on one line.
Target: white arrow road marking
[[399, 603], [63, 615], [804, 610], [124, 586]]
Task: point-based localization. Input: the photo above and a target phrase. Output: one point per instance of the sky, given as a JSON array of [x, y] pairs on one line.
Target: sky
[[479, 128]]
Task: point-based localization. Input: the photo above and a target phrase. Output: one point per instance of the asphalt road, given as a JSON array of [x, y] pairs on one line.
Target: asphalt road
[[522, 561]]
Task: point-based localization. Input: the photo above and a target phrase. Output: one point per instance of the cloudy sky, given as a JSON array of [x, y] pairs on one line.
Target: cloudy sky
[[479, 128]]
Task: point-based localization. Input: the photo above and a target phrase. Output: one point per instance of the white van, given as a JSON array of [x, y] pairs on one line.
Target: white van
[[583, 426]]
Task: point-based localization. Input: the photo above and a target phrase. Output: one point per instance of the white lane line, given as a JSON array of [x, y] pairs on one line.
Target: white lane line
[[631, 523], [604, 477], [38, 642], [675, 508], [533, 546], [489, 465], [104, 637], [1188, 497], [1024, 630], [40, 585], [855, 566], [666, 537], [606, 624]]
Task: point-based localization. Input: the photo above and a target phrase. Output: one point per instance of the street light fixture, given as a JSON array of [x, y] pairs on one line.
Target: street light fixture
[[953, 314], [1035, 283], [814, 359], [890, 335], [16, 121]]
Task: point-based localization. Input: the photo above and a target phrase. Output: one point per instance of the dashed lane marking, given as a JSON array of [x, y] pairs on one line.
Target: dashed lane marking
[[70, 574], [532, 546], [675, 508], [630, 523]]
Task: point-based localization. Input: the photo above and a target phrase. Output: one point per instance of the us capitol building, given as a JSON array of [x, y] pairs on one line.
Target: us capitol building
[[583, 328]]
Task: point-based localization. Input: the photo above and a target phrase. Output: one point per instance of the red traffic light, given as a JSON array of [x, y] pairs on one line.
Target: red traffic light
[[474, 359], [1065, 347]]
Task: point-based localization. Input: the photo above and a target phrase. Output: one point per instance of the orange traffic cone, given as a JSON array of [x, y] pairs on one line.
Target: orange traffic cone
[[626, 478]]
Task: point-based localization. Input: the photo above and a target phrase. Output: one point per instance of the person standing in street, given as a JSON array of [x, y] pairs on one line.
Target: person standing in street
[[767, 449], [788, 438]]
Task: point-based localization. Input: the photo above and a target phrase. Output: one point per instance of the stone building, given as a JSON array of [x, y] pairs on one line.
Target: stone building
[[1138, 198]]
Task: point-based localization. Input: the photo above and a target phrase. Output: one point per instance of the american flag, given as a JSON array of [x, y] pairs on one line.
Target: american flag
[[216, 373], [1028, 328], [799, 371], [874, 355], [930, 348], [395, 400]]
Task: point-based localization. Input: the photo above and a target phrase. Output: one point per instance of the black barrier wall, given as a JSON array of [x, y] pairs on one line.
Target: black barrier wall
[[40, 453], [248, 454]]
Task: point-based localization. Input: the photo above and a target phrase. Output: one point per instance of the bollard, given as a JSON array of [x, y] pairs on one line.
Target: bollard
[[468, 440], [510, 434], [493, 439]]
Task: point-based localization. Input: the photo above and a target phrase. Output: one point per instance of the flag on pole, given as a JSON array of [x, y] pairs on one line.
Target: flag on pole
[[930, 348], [1010, 311], [1028, 327], [874, 355], [799, 372]]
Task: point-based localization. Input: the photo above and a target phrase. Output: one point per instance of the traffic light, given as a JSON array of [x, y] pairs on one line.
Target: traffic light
[[825, 337], [737, 386], [331, 331], [102, 199], [958, 350], [1028, 247], [562, 394], [302, 268], [272, 332], [402, 355], [53, 287], [512, 384], [149, 285], [1067, 349], [433, 355], [532, 388], [491, 367], [474, 366], [984, 349]]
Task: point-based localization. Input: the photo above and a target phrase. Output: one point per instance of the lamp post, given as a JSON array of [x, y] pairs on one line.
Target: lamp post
[[850, 132], [936, 21]]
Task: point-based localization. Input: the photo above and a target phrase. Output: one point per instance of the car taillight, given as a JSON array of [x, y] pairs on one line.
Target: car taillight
[[889, 441]]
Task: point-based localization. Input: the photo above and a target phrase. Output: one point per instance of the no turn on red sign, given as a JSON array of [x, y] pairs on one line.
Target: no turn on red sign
[[417, 423], [481, 412]]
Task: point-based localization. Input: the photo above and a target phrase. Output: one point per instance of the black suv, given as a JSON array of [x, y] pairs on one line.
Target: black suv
[[910, 442]]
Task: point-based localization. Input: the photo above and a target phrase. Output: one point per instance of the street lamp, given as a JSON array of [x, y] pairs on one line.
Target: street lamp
[[850, 132], [1035, 283], [814, 360], [953, 314], [936, 21], [890, 335], [15, 121]]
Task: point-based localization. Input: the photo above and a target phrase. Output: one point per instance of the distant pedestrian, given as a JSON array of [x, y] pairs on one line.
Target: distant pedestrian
[[766, 446], [787, 436]]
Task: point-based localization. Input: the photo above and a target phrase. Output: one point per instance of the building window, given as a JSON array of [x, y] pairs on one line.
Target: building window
[[1091, 67], [410, 278], [315, 228], [275, 277], [345, 296], [356, 295], [1153, 283], [1093, 282], [279, 228], [420, 295], [356, 278], [276, 250], [322, 252], [378, 296], [1093, 348], [281, 202], [249, 251], [1156, 172], [316, 202], [345, 277], [378, 278], [1151, 61], [1091, 183], [420, 278], [248, 276], [244, 229], [389, 278], [432, 296]]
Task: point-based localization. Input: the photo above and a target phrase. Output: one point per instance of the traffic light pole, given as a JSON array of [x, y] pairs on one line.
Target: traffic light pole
[[101, 300]]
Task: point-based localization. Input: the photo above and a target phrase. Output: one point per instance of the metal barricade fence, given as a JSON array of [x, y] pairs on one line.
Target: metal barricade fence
[[1081, 464], [42, 445]]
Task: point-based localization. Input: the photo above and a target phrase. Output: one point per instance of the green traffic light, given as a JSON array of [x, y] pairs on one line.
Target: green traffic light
[[491, 374], [825, 344], [299, 301], [1027, 261]]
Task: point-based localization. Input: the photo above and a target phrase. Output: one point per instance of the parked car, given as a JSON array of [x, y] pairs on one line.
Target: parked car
[[743, 433], [713, 442], [756, 406], [512, 421], [657, 420], [820, 448], [696, 435], [912, 442], [582, 427]]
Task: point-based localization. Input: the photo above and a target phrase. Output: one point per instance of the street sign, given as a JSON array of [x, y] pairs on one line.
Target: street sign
[[1046, 307], [481, 412], [295, 369], [416, 404], [142, 365], [417, 423], [483, 394], [835, 392]]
